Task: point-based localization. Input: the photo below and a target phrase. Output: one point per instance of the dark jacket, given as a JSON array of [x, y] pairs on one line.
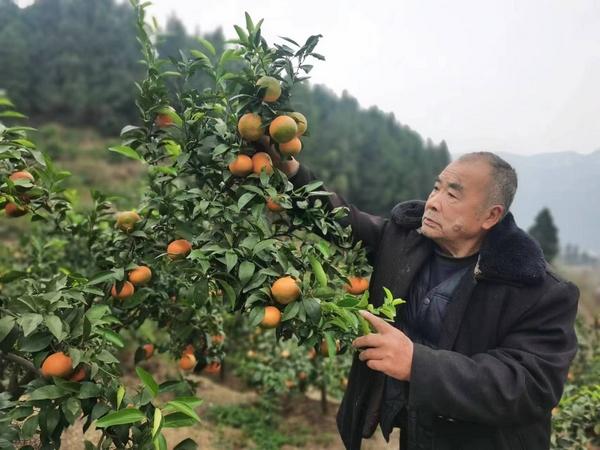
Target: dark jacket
[[503, 355]]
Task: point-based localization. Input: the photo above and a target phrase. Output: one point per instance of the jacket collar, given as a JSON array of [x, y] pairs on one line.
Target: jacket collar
[[508, 254]]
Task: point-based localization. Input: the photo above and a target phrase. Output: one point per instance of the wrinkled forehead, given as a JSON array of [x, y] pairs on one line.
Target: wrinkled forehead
[[470, 175]]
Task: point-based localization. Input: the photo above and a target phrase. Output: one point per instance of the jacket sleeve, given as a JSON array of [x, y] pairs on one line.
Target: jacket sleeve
[[365, 227], [518, 382]]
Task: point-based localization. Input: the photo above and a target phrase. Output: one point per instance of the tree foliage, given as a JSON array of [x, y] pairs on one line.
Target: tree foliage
[[76, 62], [545, 232]]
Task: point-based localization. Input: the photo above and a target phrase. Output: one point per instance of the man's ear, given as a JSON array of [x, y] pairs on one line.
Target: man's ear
[[494, 215]]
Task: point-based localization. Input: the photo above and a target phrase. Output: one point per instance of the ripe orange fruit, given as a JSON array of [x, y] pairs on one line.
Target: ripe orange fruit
[[285, 290], [311, 353], [21, 175], [273, 206], [301, 123], [163, 120], [285, 354], [57, 365], [344, 382], [79, 375], [126, 291], [187, 361], [325, 348], [250, 127], [260, 161], [251, 354], [14, 210], [140, 275], [283, 129], [179, 249], [126, 220], [290, 384], [272, 317], [241, 166], [291, 148], [273, 88], [213, 368], [302, 376], [148, 350], [357, 285]]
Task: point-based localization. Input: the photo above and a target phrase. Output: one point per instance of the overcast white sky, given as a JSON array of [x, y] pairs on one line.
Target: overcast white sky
[[498, 75]]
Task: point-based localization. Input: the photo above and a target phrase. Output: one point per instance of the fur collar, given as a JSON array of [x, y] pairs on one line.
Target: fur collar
[[507, 254]]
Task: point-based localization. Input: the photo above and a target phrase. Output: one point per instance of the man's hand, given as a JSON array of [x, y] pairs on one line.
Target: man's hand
[[288, 166], [389, 350]]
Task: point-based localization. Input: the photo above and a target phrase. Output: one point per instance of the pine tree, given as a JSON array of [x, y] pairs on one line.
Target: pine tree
[[545, 232]]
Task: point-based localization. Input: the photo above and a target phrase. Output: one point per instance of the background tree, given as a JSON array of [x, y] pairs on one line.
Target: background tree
[[545, 232]]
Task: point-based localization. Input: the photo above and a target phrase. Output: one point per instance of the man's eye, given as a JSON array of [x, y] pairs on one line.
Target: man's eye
[[435, 188], [452, 195]]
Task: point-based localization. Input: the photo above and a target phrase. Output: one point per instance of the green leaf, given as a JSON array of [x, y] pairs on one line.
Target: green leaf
[[29, 427], [49, 392], [102, 277], [36, 342], [12, 114], [89, 390], [313, 309], [241, 34], [249, 23], [199, 55], [186, 444], [55, 326], [71, 409], [231, 260], [246, 270], [7, 323], [207, 45], [6, 102], [178, 420], [229, 293], [157, 422], [331, 347], [182, 407], [220, 149], [112, 337], [12, 276], [263, 245], [126, 151], [39, 157], [120, 395], [148, 381], [291, 311], [122, 417], [29, 322], [245, 199], [160, 443], [256, 316]]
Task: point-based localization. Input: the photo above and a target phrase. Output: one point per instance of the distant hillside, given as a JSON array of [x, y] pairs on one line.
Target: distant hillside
[[569, 184]]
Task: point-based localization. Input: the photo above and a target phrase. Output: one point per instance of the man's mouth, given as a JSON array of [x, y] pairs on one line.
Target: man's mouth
[[428, 221]]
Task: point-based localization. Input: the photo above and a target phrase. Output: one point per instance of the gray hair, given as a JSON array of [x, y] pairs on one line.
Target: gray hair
[[503, 185]]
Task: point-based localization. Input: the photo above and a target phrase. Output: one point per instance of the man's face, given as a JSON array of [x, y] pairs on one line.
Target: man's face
[[457, 209]]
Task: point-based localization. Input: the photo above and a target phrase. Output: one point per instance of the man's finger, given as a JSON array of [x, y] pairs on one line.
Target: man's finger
[[376, 364], [370, 353], [380, 325], [370, 340]]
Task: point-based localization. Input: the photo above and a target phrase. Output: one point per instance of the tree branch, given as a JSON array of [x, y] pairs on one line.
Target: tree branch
[[21, 361]]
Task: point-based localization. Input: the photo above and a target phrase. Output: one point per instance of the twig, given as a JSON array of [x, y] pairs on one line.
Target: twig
[[21, 361]]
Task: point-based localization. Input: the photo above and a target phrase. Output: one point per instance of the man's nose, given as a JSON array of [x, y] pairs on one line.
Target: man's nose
[[432, 202]]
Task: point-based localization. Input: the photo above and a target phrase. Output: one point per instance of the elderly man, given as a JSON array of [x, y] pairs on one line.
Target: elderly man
[[479, 355]]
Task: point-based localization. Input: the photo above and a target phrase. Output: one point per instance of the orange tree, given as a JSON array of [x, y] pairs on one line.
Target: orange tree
[[219, 229]]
